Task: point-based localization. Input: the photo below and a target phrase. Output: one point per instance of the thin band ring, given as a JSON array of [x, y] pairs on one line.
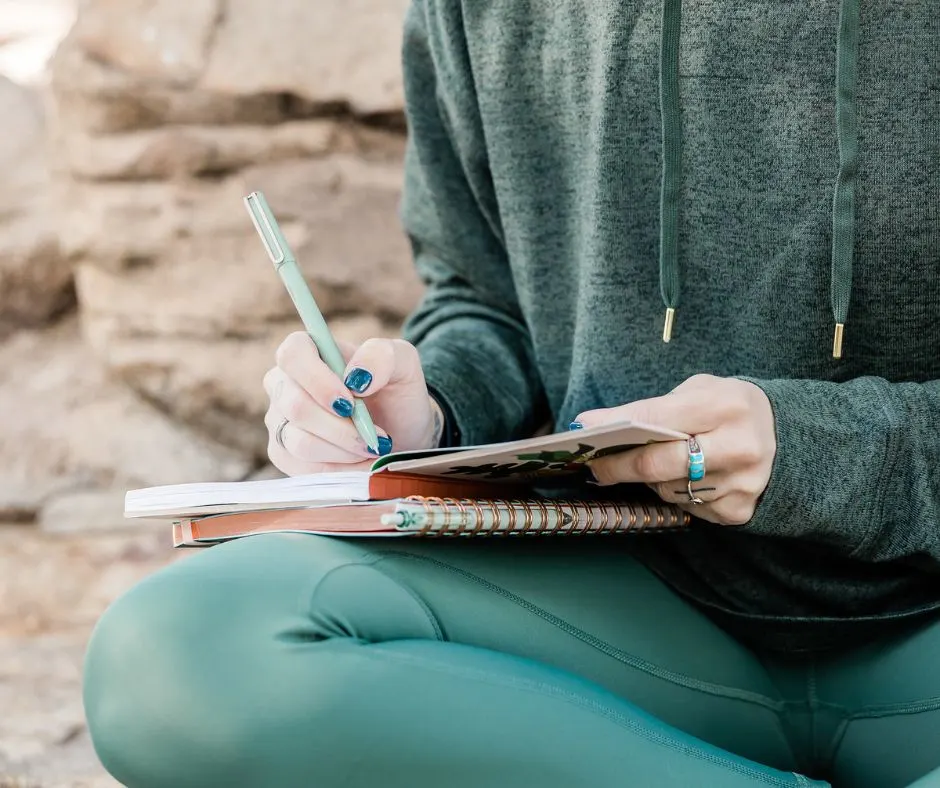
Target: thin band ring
[[279, 433]]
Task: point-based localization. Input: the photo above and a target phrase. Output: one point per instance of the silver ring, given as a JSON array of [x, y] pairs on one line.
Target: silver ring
[[279, 433]]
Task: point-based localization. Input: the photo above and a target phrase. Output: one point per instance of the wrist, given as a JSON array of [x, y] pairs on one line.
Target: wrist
[[446, 434], [437, 424]]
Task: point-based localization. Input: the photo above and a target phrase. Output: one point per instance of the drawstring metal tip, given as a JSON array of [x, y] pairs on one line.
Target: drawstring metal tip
[[670, 319], [837, 341]]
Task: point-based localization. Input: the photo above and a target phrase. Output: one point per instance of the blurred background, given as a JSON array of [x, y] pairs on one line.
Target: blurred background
[[138, 312]]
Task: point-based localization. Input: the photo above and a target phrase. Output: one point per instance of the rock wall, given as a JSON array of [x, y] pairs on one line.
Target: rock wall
[[162, 116]]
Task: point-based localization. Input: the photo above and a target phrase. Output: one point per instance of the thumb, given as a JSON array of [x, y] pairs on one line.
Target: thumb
[[379, 363]]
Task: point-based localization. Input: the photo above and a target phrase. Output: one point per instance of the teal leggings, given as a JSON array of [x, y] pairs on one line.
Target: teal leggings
[[289, 661]]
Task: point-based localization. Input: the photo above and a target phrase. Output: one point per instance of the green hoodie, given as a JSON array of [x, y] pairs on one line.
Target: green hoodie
[[769, 170]]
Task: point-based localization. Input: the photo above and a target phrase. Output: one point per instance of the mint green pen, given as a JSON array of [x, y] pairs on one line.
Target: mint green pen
[[286, 266]]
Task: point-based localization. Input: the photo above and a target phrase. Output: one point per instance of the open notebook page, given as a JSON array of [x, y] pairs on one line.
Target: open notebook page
[[196, 498]]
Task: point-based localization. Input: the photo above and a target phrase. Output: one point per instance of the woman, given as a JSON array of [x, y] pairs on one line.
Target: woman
[[775, 167]]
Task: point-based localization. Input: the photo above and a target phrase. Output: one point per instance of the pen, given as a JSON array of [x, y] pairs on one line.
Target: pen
[[286, 266]]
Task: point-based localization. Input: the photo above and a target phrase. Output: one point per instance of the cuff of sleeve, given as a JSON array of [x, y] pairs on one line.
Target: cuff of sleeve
[[486, 403], [826, 459]]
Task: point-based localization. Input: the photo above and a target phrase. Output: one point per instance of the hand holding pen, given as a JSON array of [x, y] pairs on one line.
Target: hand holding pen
[[317, 418]]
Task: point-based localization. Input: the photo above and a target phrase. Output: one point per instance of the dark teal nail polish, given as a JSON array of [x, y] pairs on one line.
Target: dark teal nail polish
[[342, 407], [576, 425], [358, 380], [385, 446]]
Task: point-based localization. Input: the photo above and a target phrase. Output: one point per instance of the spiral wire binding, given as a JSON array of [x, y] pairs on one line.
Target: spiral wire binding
[[582, 517]]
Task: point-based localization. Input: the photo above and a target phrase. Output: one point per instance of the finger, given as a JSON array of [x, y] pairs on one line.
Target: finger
[[305, 446], [677, 490], [700, 404], [381, 362], [655, 462], [735, 509], [292, 466], [297, 406], [297, 356]]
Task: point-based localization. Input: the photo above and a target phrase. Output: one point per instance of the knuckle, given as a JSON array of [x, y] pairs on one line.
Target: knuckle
[[753, 486], [376, 346], [649, 465], [601, 471], [700, 379], [664, 491], [406, 351], [736, 512], [294, 344], [294, 408], [747, 451], [306, 447], [269, 379]]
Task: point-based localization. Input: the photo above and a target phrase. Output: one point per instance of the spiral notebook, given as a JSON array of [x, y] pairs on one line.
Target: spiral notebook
[[499, 470], [421, 516], [491, 490]]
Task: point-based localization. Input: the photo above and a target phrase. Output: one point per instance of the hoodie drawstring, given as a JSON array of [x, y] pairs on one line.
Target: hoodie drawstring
[[672, 161], [843, 209], [843, 204]]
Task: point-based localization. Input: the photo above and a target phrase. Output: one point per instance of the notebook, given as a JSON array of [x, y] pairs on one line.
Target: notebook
[[474, 490], [437, 517]]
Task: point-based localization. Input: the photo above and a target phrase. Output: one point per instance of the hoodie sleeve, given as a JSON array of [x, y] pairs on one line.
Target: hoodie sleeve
[[857, 467], [474, 345]]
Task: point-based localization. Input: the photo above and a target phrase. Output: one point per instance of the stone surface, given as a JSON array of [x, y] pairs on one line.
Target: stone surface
[[35, 280], [352, 245], [68, 428], [166, 114], [329, 51], [157, 40], [173, 151], [92, 511], [181, 303], [52, 590], [95, 97]]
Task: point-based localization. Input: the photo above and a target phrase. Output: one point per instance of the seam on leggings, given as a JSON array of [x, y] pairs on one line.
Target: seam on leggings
[[803, 781], [832, 750], [372, 562], [896, 709], [593, 706], [680, 679], [812, 698]]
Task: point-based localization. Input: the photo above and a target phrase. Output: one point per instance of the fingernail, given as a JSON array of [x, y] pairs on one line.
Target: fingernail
[[342, 407], [576, 425], [385, 446], [358, 380]]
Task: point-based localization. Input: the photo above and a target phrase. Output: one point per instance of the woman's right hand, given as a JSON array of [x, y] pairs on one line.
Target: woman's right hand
[[318, 435]]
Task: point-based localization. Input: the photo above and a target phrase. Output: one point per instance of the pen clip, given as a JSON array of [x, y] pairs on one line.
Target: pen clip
[[263, 225]]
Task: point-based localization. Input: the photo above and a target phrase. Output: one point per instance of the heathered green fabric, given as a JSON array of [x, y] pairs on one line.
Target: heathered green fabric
[[532, 197]]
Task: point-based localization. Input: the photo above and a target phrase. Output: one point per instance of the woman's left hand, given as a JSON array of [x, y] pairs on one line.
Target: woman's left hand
[[734, 425]]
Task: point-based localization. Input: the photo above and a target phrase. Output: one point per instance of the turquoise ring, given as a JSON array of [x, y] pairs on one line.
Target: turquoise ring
[[696, 461]]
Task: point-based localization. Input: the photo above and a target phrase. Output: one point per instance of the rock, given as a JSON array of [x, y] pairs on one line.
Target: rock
[[35, 280], [189, 296], [214, 385], [183, 305], [91, 96], [161, 42], [67, 427], [174, 151], [327, 52], [52, 590], [92, 511], [353, 249]]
